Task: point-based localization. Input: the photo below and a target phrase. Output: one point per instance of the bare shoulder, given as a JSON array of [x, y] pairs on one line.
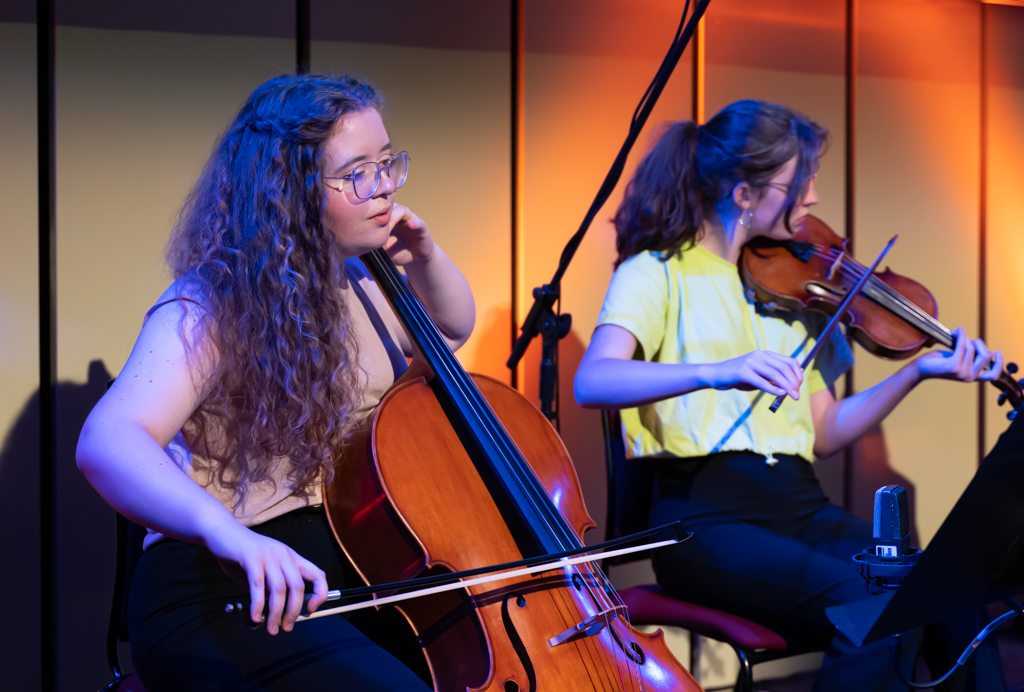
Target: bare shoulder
[[168, 372]]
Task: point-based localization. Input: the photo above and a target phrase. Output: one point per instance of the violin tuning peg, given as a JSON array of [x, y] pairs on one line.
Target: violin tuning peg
[[1011, 368], [1011, 415], [1001, 400]]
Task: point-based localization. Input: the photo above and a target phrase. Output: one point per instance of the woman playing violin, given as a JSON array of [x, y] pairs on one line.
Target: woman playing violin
[[689, 358], [249, 372]]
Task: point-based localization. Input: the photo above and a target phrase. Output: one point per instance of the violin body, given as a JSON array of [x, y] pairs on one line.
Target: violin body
[[408, 499], [893, 316], [777, 275]]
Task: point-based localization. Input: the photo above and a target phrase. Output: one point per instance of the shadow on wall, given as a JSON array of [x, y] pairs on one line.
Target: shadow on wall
[[871, 470], [85, 546]]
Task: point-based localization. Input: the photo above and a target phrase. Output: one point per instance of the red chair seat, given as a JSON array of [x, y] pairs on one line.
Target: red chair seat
[[648, 605]]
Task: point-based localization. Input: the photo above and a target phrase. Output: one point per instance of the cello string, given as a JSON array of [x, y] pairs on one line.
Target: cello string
[[601, 606], [600, 577], [461, 385], [465, 388], [442, 355]]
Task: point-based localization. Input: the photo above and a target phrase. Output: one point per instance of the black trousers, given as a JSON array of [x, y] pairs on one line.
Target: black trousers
[[183, 641], [769, 546]]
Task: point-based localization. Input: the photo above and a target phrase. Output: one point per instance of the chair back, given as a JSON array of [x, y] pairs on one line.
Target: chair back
[[129, 537], [630, 488]]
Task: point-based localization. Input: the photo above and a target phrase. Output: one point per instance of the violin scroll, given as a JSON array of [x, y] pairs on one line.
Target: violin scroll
[[1011, 390]]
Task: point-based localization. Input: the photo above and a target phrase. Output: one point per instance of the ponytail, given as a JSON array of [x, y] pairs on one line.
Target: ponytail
[[691, 172]]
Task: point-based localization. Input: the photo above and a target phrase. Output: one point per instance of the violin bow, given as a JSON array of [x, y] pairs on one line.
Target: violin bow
[[837, 317]]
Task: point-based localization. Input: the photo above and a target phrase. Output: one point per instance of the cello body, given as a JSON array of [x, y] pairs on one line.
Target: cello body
[[408, 499]]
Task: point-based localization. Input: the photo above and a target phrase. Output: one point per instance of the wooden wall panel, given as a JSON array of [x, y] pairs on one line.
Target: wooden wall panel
[[19, 353], [917, 175], [1005, 276], [450, 109], [578, 109]]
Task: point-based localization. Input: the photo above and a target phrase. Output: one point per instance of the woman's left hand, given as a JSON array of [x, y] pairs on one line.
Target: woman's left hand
[[968, 362], [410, 239]]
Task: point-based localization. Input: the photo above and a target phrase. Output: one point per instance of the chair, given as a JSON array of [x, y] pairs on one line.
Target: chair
[[630, 494], [129, 549]]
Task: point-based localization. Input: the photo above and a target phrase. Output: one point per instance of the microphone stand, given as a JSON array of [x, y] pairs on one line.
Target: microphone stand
[[543, 319]]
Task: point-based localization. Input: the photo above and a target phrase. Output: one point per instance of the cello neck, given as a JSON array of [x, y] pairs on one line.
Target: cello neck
[[535, 521]]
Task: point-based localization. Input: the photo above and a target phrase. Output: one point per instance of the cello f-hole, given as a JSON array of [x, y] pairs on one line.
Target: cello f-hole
[[517, 641]]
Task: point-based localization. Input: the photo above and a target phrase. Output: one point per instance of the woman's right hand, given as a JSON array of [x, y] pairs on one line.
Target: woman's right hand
[[771, 372], [276, 574]]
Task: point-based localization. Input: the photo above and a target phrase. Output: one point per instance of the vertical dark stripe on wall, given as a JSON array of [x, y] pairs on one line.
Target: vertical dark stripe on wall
[[517, 59], [302, 29], [697, 99], [45, 58], [850, 197], [983, 392]]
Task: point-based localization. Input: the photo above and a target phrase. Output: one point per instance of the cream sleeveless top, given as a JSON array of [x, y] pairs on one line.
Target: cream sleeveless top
[[381, 360]]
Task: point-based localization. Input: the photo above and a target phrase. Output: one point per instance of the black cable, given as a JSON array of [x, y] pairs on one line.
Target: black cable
[[991, 627]]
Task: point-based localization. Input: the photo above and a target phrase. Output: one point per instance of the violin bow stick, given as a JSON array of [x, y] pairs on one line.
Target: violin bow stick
[[837, 317]]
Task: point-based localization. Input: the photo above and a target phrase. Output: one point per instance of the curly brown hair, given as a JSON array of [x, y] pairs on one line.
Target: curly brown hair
[[250, 246], [693, 169]]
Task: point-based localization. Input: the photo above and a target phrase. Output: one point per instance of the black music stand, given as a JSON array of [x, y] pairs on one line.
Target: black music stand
[[976, 558]]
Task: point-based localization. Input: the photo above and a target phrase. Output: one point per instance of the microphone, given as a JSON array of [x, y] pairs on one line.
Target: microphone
[[886, 562], [891, 527]]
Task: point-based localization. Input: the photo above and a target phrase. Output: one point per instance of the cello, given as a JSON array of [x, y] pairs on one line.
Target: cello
[[455, 471]]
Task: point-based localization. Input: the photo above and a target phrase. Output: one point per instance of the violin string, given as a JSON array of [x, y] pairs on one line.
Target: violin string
[[855, 270]]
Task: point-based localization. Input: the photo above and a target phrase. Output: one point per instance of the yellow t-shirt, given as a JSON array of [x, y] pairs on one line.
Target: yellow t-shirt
[[692, 309]]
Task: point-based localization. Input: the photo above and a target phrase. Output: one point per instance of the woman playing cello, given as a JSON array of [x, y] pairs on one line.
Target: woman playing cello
[[678, 338], [249, 371]]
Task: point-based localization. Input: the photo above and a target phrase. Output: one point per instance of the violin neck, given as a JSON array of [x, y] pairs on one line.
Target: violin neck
[[535, 521]]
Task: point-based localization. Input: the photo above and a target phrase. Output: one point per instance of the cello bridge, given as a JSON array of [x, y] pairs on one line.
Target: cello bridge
[[588, 627]]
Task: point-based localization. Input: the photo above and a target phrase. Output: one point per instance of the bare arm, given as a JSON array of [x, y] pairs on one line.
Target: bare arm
[[433, 276], [839, 423], [121, 452], [608, 377]]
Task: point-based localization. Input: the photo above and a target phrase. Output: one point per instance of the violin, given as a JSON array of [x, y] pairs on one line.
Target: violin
[[894, 316], [457, 471]]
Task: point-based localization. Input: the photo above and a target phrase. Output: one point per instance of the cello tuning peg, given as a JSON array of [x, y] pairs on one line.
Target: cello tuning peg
[[1011, 368], [1002, 399]]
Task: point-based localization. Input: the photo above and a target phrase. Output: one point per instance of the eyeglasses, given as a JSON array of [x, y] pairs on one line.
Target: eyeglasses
[[786, 187], [365, 178]]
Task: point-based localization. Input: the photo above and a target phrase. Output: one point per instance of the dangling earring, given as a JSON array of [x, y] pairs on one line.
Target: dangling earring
[[750, 219]]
